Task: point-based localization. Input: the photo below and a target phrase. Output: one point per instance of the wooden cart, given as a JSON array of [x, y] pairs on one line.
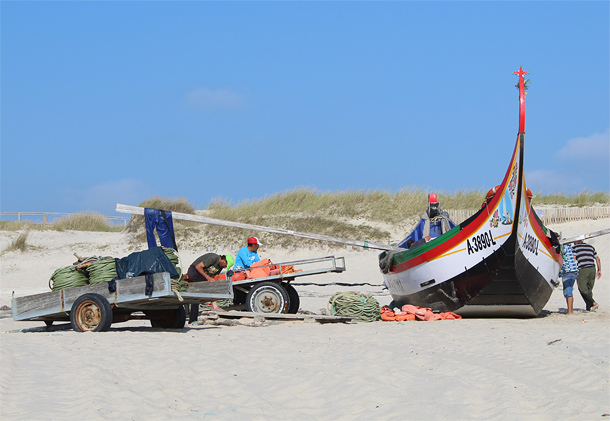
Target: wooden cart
[[274, 294], [96, 307]]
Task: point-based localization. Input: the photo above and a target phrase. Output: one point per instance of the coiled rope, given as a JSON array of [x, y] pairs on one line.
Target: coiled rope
[[102, 270], [178, 284], [68, 277], [362, 307]]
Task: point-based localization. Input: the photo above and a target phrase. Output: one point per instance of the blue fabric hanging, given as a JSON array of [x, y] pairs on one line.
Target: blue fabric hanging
[[162, 221]]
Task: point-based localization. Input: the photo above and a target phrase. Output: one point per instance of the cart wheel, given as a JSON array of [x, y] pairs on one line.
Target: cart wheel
[[295, 301], [267, 297], [91, 313], [168, 319]]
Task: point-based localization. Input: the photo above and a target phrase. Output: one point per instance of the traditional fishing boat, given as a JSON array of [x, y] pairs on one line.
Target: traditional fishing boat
[[500, 261]]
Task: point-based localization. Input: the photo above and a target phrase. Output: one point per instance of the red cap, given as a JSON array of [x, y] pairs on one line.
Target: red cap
[[254, 240], [432, 198]]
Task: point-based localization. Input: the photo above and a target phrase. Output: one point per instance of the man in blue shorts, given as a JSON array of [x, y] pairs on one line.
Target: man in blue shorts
[[568, 273]]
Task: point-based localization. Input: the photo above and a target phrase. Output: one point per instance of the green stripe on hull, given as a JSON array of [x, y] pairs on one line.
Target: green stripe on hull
[[403, 256]]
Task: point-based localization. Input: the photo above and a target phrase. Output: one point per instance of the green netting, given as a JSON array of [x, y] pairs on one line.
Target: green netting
[[362, 307], [178, 284]]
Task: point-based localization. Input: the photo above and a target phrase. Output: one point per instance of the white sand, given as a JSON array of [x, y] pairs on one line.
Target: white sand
[[551, 367]]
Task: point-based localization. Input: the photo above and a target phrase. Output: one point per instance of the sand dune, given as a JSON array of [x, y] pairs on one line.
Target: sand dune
[[551, 367]]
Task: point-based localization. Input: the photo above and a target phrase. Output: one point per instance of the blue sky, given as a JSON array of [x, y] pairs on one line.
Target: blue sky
[[115, 102]]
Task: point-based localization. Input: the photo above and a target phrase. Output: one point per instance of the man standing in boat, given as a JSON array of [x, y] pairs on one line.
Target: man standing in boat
[[587, 257]]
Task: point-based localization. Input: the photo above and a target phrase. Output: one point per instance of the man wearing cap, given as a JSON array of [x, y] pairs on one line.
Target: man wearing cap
[[204, 268], [587, 257], [247, 255]]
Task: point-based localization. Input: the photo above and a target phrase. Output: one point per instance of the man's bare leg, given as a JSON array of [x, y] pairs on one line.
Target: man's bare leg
[[216, 307]]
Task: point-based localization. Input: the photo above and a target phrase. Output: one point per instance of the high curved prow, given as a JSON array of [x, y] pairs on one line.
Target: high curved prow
[[521, 87]]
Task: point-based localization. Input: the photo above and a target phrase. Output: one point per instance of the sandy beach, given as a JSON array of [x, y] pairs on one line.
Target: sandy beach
[[551, 367]]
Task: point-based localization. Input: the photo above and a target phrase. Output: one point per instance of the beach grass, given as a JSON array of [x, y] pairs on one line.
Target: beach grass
[[351, 214], [84, 221], [374, 215], [81, 221], [20, 242]]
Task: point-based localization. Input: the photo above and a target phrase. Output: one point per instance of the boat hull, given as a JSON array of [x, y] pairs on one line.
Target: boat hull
[[505, 283], [518, 290], [499, 262]]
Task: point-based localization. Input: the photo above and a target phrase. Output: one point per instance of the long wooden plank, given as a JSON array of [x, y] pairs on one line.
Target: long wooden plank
[[136, 210], [586, 236], [279, 317]]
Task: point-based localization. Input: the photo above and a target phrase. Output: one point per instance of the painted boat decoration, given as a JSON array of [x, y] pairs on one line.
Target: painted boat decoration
[[501, 261]]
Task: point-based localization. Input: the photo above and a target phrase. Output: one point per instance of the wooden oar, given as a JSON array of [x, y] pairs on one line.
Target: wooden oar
[[136, 210]]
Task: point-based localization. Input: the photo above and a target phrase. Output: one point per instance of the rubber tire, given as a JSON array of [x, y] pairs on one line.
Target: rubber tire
[[91, 313], [293, 295], [275, 296], [170, 319]]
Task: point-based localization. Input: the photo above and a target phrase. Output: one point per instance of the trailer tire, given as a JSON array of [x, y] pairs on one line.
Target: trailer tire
[[295, 301], [168, 319], [267, 297], [91, 313]]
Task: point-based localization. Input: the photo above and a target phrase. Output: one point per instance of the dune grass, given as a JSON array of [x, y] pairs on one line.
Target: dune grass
[[352, 214], [82, 221], [20, 243], [584, 198], [341, 214], [377, 205]]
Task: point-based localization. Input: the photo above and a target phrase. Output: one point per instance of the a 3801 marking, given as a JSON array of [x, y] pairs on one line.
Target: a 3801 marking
[[480, 242], [530, 243]]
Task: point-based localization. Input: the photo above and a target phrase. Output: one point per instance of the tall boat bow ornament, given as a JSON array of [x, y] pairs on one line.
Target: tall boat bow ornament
[[500, 261]]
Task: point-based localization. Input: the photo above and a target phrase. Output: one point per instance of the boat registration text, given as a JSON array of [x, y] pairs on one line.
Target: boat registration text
[[480, 242]]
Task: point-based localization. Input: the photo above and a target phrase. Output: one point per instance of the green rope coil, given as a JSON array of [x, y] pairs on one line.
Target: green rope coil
[[221, 303], [362, 307], [68, 277], [178, 284], [102, 270]]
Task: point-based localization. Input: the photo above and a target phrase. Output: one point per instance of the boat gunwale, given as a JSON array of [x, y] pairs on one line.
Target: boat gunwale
[[441, 245]]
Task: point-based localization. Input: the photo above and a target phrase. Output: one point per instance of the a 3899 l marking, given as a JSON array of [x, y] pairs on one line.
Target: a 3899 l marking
[[480, 242], [530, 243]]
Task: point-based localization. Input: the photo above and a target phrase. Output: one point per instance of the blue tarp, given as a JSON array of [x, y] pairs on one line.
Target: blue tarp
[[145, 262]]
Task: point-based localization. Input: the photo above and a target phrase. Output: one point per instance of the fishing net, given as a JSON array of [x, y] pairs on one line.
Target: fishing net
[[362, 307]]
